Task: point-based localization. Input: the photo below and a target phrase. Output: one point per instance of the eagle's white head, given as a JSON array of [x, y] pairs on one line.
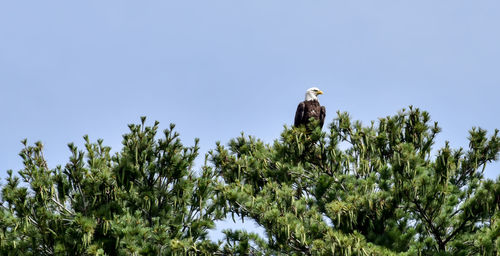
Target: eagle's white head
[[312, 93]]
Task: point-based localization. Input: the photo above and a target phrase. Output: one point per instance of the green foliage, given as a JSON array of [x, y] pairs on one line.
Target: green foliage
[[379, 189], [365, 190], [143, 200]]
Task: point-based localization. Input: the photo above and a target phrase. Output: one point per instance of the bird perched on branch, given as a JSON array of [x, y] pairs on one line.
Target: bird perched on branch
[[310, 107]]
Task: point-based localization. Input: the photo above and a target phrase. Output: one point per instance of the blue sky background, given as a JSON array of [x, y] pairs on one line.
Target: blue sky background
[[219, 67]]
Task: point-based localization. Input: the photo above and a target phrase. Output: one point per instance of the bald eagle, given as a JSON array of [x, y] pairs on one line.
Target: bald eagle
[[310, 107]]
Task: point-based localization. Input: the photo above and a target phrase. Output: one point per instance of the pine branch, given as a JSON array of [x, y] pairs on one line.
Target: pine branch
[[431, 226], [455, 232], [62, 206]]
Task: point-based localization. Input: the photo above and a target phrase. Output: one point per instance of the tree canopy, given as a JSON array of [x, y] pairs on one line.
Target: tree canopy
[[380, 189]]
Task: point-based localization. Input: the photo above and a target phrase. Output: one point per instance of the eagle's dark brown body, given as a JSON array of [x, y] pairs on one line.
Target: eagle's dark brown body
[[308, 109]]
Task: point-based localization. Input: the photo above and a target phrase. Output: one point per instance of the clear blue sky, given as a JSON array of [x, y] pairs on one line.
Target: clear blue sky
[[216, 68]]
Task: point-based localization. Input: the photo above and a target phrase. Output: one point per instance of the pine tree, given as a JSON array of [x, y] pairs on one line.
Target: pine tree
[[363, 190], [354, 190], [143, 200]]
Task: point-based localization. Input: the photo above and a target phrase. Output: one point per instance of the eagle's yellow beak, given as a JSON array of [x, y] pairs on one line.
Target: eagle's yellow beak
[[319, 92]]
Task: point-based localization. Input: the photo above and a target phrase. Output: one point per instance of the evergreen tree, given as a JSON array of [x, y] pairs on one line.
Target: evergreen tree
[[143, 200], [375, 190], [363, 190]]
